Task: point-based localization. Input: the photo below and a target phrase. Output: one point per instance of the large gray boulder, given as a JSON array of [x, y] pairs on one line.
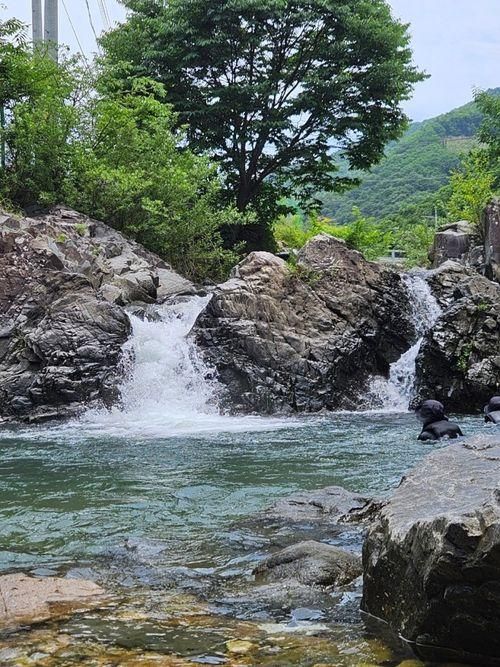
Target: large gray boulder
[[459, 360], [453, 241], [307, 336], [121, 269], [65, 280], [432, 559]]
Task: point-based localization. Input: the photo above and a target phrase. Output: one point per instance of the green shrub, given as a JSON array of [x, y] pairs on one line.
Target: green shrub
[[363, 234]]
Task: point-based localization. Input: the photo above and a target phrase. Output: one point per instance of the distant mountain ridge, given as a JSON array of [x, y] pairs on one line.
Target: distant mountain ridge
[[416, 165]]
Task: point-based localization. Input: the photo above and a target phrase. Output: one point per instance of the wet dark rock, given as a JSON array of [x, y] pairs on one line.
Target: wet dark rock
[[459, 360], [492, 410], [452, 242], [432, 559], [310, 563], [64, 281], [307, 336], [492, 239]]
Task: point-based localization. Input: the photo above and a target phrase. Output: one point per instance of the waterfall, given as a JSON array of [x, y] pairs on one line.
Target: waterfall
[[395, 392], [167, 372], [169, 390]]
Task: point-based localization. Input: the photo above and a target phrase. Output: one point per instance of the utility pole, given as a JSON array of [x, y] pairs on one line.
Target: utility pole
[[51, 33], [37, 22]]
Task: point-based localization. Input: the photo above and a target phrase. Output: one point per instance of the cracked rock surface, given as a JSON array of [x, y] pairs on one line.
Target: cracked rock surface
[[459, 360], [65, 280], [308, 336], [432, 558]]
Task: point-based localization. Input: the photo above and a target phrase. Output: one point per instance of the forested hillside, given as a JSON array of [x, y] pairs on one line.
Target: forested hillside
[[415, 166]]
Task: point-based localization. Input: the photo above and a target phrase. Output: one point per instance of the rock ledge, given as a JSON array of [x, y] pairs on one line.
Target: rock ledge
[[432, 559]]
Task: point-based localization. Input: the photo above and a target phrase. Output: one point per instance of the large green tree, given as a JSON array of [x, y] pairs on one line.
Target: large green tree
[[273, 88], [119, 158]]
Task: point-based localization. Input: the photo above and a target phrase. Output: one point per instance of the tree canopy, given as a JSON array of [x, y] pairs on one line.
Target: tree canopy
[[117, 157], [273, 88]]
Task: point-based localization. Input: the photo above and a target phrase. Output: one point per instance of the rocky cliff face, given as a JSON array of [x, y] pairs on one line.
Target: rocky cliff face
[[65, 280], [459, 360], [432, 557], [492, 239], [307, 336]]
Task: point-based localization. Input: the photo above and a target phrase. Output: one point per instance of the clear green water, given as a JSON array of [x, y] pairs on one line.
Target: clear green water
[[133, 513], [64, 499]]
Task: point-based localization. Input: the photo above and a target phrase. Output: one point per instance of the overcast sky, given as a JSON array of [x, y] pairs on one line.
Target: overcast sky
[[457, 42]]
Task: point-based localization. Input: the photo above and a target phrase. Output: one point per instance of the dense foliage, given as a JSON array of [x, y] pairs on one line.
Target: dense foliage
[[116, 157], [272, 88], [414, 168], [408, 223], [205, 119], [373, 238]]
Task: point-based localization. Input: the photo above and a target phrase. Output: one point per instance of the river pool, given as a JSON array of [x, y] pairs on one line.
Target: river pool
[[162, 521]]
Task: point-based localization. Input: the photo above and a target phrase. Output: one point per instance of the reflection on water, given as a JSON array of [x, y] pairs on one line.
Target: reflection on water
[[153, 517]]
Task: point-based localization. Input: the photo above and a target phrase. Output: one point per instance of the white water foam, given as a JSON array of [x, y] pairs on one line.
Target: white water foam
[[394, 394], [169, 390]]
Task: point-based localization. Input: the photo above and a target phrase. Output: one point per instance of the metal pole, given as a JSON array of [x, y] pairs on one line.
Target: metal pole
[[37, 22], [51, 33]]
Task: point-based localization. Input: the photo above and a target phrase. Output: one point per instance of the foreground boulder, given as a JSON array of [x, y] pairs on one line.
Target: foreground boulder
[[27, 600], [459, 360], [65, 281], [432, 559], [307, 336]]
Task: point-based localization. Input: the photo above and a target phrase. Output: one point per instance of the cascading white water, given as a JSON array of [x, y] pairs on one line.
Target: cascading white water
[[395, 393], [169, 389], [167, 371]]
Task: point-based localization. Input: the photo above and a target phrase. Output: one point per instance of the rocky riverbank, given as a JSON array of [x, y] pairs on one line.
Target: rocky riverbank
[[432, 557], [308, 335], [66, 283], [459, 360], [296, 336]]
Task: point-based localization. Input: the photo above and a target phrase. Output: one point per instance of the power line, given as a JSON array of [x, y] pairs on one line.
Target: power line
[[106, 11], [76, 35], [104, 14], [91, 21]]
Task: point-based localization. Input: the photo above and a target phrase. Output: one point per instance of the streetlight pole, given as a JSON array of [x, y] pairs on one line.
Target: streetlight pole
[[37, 22], [51, 33]]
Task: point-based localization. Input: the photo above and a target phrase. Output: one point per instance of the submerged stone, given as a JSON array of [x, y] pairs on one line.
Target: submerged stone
[[27, 600], [240, 646], [310, 563], [332, 504]]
